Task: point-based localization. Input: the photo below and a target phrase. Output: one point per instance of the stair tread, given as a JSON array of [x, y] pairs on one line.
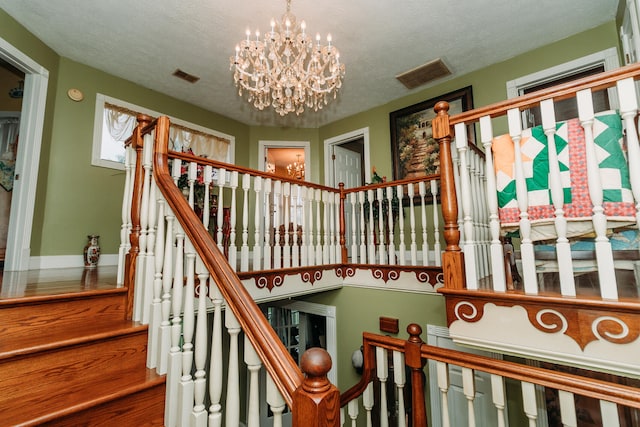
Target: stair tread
[[78, 398], [57, 297], [51, 340]]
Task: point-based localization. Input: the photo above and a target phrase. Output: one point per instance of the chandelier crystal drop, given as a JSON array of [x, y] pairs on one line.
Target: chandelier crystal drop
[[286, 69]]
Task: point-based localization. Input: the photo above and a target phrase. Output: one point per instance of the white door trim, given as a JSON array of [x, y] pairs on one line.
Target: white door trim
[[28, 157], [263, 145], [341, 139]]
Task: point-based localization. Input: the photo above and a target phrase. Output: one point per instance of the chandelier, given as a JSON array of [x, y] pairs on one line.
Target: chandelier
[[286, 69], [296, 169]]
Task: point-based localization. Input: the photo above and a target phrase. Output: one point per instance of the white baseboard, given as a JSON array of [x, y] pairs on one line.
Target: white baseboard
[[68, 261]]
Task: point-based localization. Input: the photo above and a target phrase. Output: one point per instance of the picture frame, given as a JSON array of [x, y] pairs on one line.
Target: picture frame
[[414, 151]]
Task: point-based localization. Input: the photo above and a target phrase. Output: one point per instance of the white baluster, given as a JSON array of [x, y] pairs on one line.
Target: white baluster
[[164, 341], [352, 408], [469, 390], [192, 176], [498, 396], [567, 409], [422, 190], [319, 250], [286, 208], [563, 250], [276, 402], [403, 246], [304, 249], [185, 389], [253, 365], [529, 402], [199, 414], [437, 249], [604, 254], [412, 224], [336, 210], [628, 110], [609, 412], [126, 214], [526, 246], [311, 249], [399, 377], [233, 250], [277, 202], [443, 384], [244, 250], [156, 312], [363, 229], [216, 362], [175, 358], [151, 259], [295, 248], [370, 243], [390, 232], [257, 222], [497, 257], [233, 375], [222, 176], [470, 265], [206, 205], [267, 226], [326, 214], [367, 402], [381, 235], [382, 371], [353, 199]]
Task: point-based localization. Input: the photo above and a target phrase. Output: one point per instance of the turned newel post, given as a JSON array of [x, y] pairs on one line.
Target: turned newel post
[[343, 245], [316, 403], [452, 258], [413, 359], [136, 203]]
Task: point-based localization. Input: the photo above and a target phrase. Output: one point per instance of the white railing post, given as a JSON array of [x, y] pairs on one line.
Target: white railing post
[[244, 250], [156, 304], [233, 250], [257, 223], [233, 375]]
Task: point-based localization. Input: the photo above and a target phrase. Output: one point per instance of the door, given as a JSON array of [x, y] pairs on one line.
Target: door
[[347, 167]]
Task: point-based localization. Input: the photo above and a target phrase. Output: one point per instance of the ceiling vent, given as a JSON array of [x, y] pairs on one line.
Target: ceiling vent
[[185, 76], [424, 74]]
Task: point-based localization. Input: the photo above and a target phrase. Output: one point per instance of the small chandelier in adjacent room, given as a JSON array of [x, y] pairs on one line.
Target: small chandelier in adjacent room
[[295, 170], [286, 69]]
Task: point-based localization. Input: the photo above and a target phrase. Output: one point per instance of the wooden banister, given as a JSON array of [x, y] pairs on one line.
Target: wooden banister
[[277, 361], [136, 142], [452, 258]]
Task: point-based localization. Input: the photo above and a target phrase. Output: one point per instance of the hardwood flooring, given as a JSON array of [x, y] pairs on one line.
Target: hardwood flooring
[[14, 284]]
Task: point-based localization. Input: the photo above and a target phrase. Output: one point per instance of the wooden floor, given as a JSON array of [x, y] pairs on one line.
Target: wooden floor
[[14, 284]]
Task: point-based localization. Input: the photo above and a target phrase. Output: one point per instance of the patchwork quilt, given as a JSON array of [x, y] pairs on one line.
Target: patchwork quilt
[[570, 146]]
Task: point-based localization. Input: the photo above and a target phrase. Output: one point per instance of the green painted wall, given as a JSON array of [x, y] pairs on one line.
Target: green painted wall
[[489, 86]]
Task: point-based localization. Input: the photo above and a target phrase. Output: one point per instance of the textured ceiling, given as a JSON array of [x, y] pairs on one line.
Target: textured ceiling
[[145, 41]]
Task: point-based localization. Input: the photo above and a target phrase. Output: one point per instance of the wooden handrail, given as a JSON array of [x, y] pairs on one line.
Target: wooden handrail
[[558, 92], [277, 361]]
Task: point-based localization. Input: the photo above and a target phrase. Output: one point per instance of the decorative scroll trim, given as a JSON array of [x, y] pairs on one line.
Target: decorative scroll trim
[[427, 275], [581, 323], [311, 276]]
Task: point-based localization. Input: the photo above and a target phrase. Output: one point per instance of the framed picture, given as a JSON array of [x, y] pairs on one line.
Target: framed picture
[[413, 150]]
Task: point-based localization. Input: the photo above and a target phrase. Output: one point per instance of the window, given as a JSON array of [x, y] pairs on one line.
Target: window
[[115, 120], [597, 62]]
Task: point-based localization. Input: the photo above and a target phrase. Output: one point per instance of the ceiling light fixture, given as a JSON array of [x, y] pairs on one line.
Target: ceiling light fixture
[[296, 169], [286, 69]]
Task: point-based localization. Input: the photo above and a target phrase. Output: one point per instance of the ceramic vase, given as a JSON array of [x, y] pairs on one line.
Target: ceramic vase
[[92, 252]]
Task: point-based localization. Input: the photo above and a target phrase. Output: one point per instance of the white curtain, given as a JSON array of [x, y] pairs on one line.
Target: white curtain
[[120, 123], [201, 144]]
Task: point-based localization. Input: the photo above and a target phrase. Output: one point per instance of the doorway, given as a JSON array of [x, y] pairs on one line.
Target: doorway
[[346, 159], [11, 93], [27, 161]]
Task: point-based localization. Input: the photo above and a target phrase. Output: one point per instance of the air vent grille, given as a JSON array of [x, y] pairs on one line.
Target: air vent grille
[[185, 76], [424, 74]]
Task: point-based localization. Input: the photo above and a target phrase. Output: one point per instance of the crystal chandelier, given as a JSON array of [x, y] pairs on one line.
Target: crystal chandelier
[[286, 69], [296, 169]]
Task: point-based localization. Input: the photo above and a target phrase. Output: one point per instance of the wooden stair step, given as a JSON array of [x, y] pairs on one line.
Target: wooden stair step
[[71, 375], [55, 314], [141, 404]]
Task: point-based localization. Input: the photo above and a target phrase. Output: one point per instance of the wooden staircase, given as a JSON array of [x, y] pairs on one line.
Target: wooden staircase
[[72, 360]]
